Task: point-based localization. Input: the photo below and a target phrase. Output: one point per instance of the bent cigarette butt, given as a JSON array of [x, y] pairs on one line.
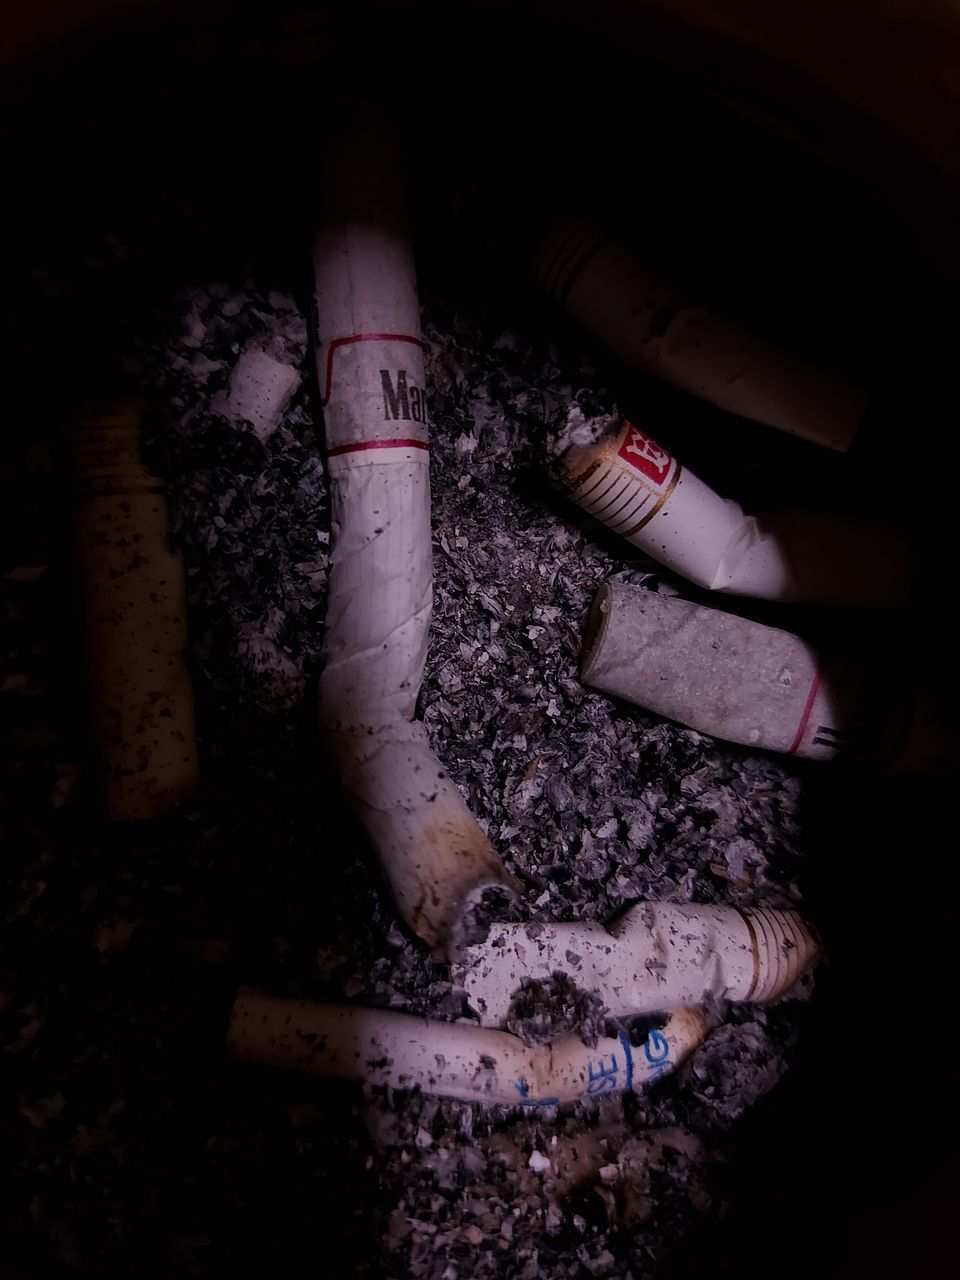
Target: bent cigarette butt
[[640, 491], [434, 855], [452, 1059], [759, 686], [135, 617], [647, 323], [655, 956]]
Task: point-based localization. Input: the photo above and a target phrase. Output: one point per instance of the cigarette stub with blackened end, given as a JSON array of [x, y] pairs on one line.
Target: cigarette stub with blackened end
[[655, 956], [435, 857], [759, 686], [639, 490], [649, 325], [135, 614], [453, 1059]]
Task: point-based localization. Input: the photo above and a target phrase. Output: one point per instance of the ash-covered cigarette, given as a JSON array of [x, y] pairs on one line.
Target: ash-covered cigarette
[[453, 1059], [648, 324], [759, 686], [135, 616], [633, 485], [435, 856], [655, 956]]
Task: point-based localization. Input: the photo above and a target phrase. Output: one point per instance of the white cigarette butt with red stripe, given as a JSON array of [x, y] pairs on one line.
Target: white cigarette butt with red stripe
[[650, 325], [759, 686], [434, 855], [133, 593]]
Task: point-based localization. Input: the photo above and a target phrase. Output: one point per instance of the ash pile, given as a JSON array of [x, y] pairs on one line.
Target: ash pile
[[595, 805]]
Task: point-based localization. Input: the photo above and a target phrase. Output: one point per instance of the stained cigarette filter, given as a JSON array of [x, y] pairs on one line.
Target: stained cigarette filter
[[760, 686], [435, 857]]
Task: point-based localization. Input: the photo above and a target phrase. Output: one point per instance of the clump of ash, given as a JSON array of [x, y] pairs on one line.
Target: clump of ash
[[542, 1010]]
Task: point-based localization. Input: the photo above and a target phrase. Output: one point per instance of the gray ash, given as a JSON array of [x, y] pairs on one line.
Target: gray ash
[[542, 1010]]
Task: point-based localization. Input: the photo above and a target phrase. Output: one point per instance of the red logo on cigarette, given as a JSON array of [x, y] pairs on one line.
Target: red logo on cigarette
[[645, 455]]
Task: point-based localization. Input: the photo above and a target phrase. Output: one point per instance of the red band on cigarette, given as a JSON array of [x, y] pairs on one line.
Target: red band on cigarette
[[807, 708], [359, 337], [360, 445]]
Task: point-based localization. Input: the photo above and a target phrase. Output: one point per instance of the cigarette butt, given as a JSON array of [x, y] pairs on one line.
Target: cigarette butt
[[435, 857], [655, 956], [135, 617], [640, 491], [259, 390], [647, 324], [759, 686], [452, 1059]]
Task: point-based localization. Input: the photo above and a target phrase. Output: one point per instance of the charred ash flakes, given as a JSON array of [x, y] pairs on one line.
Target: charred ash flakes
[[593, 806], [541, 1010]]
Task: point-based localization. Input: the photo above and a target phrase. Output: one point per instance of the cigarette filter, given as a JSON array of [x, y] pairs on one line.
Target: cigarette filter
[[759, 686], [635, 487], [435, 857], [135, 616], [655, 956], [452, 1059], [259, 389], [647, 324]]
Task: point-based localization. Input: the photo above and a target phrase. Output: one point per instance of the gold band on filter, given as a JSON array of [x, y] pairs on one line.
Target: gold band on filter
[[565, 254], [133, 600], [613, 491]]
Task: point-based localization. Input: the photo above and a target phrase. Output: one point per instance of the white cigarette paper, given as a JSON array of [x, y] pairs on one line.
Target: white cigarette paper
[[757, 685], [260, 387], [655, 956], [133, 594], [648, 324], [452, 1059], [635, 487], [435, 857]]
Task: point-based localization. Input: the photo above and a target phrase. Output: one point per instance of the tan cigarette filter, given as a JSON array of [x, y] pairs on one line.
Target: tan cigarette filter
[[759, 686], [452, 1059], [640, 491], [134, 607], [655, 956], [435, 857], [647, 324]]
